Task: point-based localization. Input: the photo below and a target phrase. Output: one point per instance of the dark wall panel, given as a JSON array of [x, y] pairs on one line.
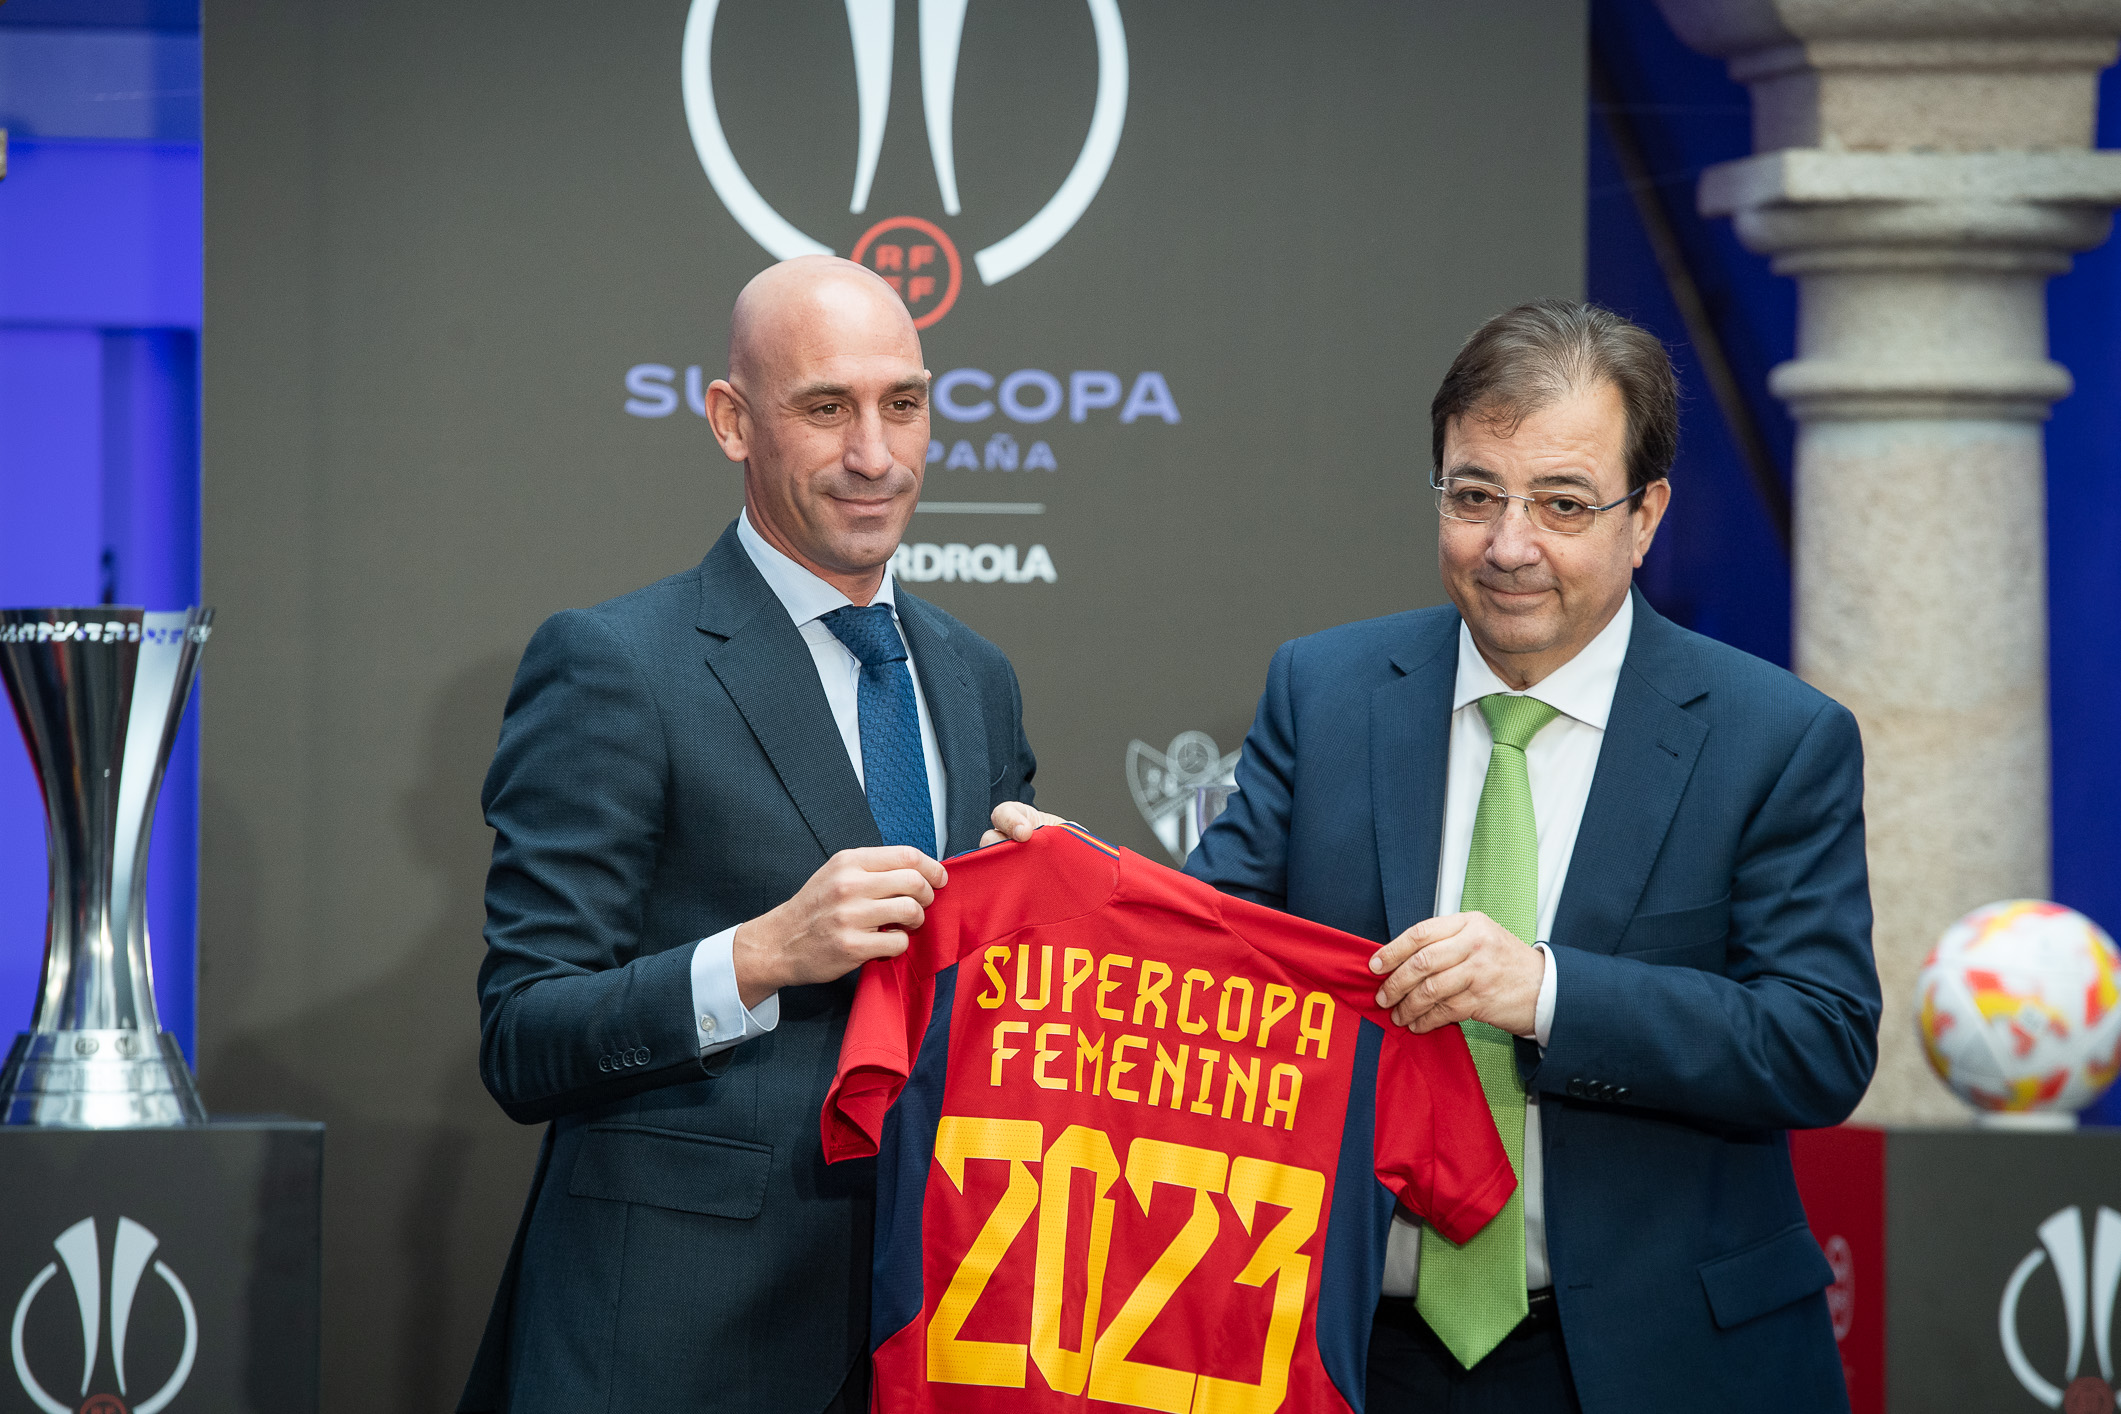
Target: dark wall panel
[[440, 236]]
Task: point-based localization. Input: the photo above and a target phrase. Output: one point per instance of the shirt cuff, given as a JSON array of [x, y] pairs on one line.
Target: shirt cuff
[[1543, 1012], [719, 1017]]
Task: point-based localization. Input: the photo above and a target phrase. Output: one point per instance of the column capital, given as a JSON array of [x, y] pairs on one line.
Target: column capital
[[1919, 272], [1951, 75], [1921, 168], [1816, 210]]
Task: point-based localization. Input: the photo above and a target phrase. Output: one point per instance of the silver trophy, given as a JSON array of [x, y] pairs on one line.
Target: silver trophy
[[98, 693]]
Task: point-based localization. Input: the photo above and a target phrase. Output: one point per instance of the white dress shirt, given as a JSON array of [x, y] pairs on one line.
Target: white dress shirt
[[718, 1011], [1561, 761]]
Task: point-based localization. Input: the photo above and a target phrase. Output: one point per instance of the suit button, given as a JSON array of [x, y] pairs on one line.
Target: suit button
[[1575, 1088], [1621, 1093], [644, 1055], [603, 1062]]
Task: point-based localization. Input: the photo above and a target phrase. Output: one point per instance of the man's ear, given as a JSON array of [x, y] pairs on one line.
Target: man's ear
[[1656, 499], [730, 418]]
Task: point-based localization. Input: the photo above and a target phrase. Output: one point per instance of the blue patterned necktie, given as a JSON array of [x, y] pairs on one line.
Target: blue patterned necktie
[[894, 771]]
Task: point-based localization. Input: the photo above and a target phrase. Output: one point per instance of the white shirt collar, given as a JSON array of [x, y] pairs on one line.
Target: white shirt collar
[[1581, 688], [801, 593]]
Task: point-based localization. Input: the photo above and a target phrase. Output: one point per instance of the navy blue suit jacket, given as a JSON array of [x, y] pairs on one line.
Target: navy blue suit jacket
[[1715, 985], [669, 767]]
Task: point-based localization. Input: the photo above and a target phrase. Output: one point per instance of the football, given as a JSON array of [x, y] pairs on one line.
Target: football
[[2019, 1008]]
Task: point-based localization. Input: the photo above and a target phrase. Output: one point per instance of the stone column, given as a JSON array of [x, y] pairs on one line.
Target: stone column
[[1921, 168]]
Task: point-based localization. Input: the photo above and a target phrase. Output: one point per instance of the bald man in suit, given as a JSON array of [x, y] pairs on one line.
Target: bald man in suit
[[713, 800]]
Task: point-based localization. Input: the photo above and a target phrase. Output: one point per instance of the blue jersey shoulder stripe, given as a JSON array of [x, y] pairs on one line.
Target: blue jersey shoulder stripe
[[903, 1154], [1356, 1231]]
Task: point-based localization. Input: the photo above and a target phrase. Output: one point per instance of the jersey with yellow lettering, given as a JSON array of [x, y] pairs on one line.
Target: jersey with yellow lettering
[[1139, 1143]]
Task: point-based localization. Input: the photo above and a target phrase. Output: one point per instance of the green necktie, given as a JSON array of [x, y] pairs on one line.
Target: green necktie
[[1473, 1296]]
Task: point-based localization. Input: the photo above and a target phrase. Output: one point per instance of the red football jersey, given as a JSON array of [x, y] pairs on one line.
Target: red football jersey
[[1139, 1143]]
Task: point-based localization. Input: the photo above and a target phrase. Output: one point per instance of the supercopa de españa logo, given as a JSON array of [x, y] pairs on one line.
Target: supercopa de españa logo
[[132, 1252], [914, 254], [2088, 1290]]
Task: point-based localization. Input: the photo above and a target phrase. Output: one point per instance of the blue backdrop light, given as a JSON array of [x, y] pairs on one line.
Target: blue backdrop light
[[100, 296]]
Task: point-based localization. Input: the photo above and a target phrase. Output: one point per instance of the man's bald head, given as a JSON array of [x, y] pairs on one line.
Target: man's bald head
[[788, 307], [826, 405]]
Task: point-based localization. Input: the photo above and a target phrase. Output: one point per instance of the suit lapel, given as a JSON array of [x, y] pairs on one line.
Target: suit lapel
[[1650, 747], [960, 722], [763, 664], [1410, 752]]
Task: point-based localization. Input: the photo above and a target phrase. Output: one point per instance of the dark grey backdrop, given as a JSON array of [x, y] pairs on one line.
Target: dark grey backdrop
[[438, 236]]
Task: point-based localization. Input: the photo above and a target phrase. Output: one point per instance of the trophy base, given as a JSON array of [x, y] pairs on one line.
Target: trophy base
[[114, 1079]]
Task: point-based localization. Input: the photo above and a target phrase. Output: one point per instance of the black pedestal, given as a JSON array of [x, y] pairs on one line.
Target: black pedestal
[[1974, 1268], [152, 1270]]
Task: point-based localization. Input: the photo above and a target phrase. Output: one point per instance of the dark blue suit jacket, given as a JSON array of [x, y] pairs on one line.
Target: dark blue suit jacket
[[669, 767], [1715, 985]]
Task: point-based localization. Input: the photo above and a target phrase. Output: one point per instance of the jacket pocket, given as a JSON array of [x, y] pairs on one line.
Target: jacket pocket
[[1677, 937], [1765, 1277], [669, 1168]]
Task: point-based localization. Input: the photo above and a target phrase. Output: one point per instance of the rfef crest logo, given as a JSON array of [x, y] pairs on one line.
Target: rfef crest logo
[[132, 1249], [914, 254], [2087, 1301], [916, 259]]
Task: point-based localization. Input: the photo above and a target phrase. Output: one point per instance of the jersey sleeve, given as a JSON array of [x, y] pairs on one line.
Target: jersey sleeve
[[890, 1015], [1437, 1149], [1434, 1137], [1058, 873], [1435, 1142]]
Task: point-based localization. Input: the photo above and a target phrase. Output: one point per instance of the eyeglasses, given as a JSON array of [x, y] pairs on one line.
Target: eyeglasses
[[1483, 503]]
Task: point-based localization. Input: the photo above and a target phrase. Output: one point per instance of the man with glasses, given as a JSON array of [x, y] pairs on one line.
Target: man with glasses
[[1628, 860]]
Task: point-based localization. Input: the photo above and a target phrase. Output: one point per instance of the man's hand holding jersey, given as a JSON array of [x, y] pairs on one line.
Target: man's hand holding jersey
[[861, 903], [1013, 820], [1460, 967]]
